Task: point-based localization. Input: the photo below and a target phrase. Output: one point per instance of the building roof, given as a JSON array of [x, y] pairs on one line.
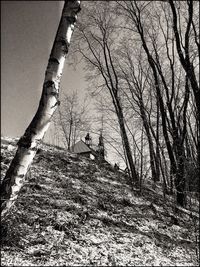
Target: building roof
[[80, 147]]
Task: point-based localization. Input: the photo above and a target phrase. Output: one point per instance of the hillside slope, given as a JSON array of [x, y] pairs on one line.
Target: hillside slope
[[73, 211]]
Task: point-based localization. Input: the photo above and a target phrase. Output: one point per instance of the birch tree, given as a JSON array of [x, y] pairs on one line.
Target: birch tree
[[29, 142]]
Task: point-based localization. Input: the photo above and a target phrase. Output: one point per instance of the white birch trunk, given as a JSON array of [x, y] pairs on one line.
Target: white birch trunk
[[28, 143]]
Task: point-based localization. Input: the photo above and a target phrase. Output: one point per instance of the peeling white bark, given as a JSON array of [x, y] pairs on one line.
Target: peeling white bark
[[28, 143]]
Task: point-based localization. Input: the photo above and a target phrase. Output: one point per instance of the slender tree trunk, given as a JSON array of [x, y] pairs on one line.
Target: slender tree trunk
[[29, 142], [70, 133], [74, 134], [157, 156], [180, 182], [63, 129], [150, 141], [133, 171], [141, 156]]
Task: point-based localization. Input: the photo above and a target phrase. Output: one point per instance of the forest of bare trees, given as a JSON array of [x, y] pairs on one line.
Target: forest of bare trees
[[144, 57]]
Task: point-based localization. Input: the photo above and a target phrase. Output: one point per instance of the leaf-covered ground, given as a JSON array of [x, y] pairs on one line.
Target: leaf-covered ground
[[73, 211]]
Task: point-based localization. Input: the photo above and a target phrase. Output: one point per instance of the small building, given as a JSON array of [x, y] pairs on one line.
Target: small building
[[84, 148], [96, 153]]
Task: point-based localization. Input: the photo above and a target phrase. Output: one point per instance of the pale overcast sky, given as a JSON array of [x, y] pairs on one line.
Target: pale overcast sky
[[28, 29]]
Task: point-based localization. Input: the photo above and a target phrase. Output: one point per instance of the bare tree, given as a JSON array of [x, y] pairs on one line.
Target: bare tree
[[135, 80], [97, 50], [109, 125], [73, 118]]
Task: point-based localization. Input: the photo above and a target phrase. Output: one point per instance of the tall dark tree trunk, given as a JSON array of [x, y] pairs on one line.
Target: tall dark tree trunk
[[141, 156], [157, 156], [180, 177], [187, 64], [150, 141], [161, 104], [137, 21], [131, 166], [70, 133], [29, 142]]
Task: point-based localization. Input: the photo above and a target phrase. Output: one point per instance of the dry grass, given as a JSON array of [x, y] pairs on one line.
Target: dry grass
[[74, 212]]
